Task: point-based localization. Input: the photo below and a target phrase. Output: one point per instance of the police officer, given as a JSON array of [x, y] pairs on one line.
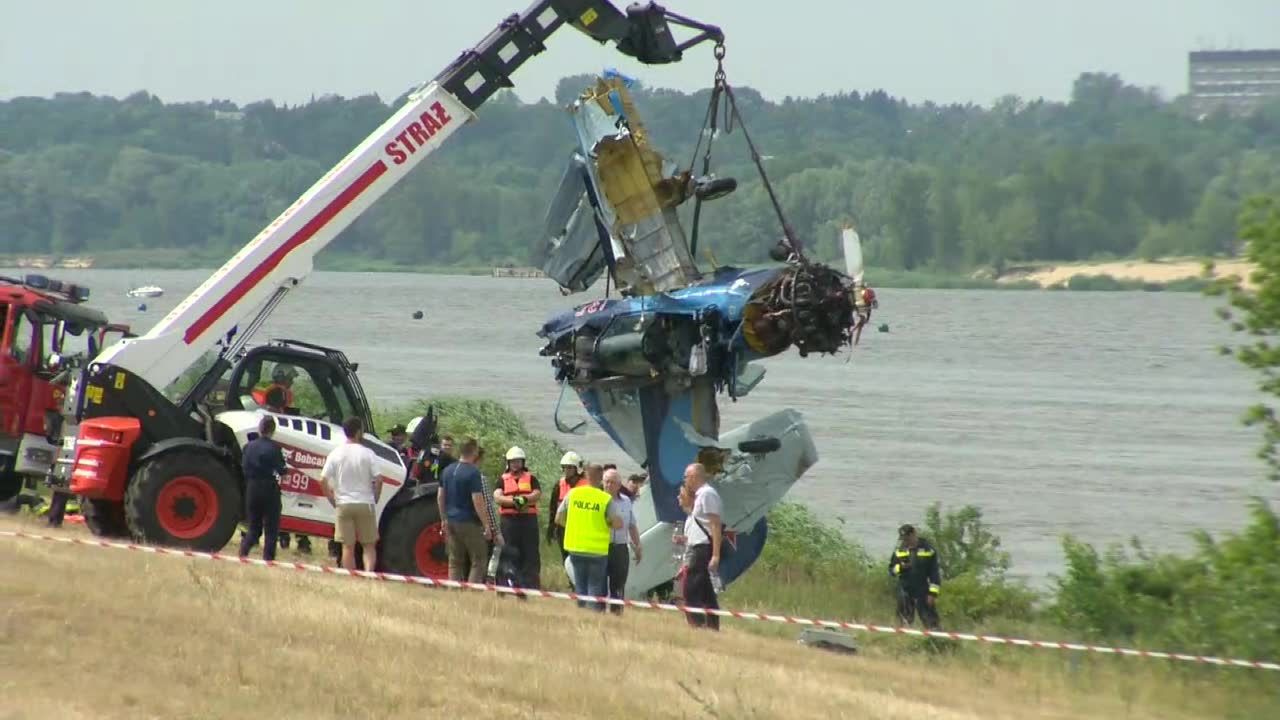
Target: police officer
[[517, 499], [588, 515], [915, 565], [263, 463], [572, 477]]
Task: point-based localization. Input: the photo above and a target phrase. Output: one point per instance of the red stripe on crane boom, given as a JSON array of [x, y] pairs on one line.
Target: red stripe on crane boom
[[305, 233]]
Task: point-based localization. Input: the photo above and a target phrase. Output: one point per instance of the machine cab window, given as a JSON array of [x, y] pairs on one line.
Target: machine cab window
[[21, 339], [294, 385]]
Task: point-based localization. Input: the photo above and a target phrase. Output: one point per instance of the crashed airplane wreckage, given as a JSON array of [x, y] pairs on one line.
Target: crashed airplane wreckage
[[648, 361]]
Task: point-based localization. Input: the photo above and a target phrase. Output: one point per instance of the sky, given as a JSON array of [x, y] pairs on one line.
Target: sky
[[940, 50]]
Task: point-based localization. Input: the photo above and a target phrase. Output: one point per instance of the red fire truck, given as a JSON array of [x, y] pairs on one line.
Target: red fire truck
[[46, 330]]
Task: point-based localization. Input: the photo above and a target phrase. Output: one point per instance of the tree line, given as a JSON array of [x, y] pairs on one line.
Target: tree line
[[1114, 171]]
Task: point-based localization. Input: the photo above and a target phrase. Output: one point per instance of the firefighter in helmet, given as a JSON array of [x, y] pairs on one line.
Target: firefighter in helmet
[[282, 377], [571, 477], [517, 497]]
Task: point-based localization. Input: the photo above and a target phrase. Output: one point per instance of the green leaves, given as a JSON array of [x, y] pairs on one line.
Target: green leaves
[[1221, 599], [1258, 315]]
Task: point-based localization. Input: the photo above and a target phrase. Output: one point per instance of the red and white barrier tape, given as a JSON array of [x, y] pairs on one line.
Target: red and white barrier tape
[[741, 615]]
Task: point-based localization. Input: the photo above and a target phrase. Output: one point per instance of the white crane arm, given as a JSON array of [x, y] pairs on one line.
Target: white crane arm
[[283, 254], [228, 307]]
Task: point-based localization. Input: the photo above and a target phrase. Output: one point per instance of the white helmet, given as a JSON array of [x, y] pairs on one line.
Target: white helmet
[[515, 453], [571, 458], [282, 373]]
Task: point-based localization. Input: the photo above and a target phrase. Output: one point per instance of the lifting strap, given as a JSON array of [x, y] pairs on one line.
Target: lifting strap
[[722, 91]]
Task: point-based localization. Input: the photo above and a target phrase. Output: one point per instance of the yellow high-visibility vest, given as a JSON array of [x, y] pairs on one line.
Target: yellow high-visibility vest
[[586, 524]]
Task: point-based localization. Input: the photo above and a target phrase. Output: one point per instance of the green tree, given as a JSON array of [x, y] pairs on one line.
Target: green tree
[[1258, 313]]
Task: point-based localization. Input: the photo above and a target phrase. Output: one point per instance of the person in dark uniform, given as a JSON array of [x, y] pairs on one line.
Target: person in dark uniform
[[915, 565], [263, 463], [58, 507], [399, 441]]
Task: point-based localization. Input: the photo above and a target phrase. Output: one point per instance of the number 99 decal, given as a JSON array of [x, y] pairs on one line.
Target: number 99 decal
[[294, 481]]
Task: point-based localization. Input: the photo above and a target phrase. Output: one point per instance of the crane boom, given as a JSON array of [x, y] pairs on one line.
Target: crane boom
[[234, 302]]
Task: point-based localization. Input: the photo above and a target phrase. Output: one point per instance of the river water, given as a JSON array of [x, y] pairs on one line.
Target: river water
[[1100, 415]]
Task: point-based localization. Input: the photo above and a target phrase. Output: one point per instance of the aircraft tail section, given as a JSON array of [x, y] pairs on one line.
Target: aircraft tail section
[[752, 466]]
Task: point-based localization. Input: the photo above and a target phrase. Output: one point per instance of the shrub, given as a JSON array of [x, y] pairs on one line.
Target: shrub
[[973, 568], [801, 544], [1220, 599], [495, 425]]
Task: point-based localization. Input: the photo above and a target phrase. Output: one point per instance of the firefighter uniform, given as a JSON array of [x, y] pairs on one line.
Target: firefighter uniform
[[520, 525], [916, 570]]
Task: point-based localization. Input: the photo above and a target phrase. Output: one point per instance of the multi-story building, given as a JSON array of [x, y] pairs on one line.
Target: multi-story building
[[1239, 80]]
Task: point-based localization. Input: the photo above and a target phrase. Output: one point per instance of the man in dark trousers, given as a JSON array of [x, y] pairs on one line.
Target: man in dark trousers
[[517, 497], [703, 537], [915, 565], [263, 464]]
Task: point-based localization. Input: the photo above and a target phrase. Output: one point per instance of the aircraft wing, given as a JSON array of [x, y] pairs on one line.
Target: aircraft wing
[[572, 249]]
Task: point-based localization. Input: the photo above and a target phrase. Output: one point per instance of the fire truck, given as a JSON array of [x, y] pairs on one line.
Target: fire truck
[[167, 470], [46, 332]]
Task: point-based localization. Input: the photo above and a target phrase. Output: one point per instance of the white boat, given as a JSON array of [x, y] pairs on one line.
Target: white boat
[[146, 291]]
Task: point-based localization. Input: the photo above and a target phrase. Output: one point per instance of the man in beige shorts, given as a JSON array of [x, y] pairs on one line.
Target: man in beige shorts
[[352, 486]]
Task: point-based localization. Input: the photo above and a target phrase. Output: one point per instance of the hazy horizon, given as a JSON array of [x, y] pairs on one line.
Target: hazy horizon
[[287, 51]]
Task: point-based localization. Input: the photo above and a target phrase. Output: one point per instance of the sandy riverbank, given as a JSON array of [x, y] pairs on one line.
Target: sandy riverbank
[[1153, 271]]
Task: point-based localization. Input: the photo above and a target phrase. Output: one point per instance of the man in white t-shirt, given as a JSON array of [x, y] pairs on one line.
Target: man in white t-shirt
[[703, 528], [353, 488]]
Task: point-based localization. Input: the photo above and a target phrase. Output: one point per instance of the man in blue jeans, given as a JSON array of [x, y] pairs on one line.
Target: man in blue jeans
[[588, 515]]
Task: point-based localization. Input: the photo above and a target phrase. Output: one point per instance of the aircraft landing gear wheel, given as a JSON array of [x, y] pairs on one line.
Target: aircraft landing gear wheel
[[760, 446], [413, 542], [715, 189], [104, 518], [184, 498]]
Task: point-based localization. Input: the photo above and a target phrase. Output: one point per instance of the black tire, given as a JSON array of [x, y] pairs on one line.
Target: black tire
[[401, 534], [716, 189], [10, 484], [104, 518], [185, 498], [760, 446]]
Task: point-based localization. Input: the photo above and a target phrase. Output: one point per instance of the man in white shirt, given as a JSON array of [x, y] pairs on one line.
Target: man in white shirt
[[619, 565], [353, 488], [702, 528]]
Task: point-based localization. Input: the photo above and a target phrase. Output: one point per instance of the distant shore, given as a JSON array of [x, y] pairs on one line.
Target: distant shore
[[1169, 274], [1164, 272]]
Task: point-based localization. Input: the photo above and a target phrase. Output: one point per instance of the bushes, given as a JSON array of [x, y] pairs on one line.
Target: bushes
[[495, 425], [809, 566], [973, 569], [801, 545], [1223, 599]]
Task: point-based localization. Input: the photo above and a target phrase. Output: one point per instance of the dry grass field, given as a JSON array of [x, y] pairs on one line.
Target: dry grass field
[[96, 633]]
